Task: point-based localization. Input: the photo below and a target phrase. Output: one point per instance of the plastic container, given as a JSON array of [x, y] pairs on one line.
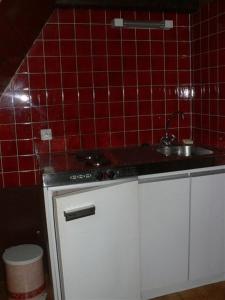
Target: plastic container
[[24, 272]]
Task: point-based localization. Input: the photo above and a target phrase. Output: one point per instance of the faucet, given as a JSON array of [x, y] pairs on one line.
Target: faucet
[[169, 139]]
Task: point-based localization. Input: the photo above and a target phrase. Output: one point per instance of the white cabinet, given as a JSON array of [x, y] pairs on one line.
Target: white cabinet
[[164, 230], [207, 227], [99, 253]]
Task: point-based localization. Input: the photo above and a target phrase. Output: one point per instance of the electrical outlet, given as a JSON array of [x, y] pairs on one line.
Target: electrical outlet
[[46, 134]]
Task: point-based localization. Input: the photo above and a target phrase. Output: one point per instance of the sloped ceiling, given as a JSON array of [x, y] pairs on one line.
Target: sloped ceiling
[[20, 23]]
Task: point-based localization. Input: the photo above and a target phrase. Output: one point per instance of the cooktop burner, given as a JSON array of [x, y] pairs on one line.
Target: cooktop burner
[[92, 158]]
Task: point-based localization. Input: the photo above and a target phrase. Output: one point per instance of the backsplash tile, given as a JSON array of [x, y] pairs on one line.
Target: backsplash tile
[[94, 86], [208, 69]]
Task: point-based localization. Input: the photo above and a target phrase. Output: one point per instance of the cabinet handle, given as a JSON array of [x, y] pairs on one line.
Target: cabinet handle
[[163, 178], [205, 173], [79, 213]]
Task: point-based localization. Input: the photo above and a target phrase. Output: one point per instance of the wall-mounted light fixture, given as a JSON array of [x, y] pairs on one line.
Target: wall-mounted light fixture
[[121, 23]]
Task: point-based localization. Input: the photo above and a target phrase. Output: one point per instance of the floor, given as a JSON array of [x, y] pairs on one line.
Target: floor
[[208, 292], [214, 291]]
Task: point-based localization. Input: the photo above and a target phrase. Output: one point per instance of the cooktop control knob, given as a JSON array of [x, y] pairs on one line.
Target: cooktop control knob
[[110, 174], [99, 175]]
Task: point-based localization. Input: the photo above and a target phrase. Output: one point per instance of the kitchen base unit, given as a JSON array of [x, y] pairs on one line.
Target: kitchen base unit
[[93, 231], [182, 230]]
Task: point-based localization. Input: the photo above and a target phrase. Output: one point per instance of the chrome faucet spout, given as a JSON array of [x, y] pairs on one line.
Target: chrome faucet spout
[[173, 116], [169, 139]]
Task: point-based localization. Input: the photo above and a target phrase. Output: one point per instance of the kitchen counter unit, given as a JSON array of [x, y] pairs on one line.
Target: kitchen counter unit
[[120, 163]]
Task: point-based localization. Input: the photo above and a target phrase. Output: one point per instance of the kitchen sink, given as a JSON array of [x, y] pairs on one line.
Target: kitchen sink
[[184, 150]]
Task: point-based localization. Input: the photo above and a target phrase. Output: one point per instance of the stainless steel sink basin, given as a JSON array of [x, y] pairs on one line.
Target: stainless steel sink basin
[[184, 150]]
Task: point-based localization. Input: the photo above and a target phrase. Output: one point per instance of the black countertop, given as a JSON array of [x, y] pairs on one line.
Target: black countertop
[[130, 161]]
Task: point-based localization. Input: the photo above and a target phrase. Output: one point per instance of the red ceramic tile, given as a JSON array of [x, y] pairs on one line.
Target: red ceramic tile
[[130, 93], [113, 33], [68, 64], [101, 79], [145, 123], [52, 64], [145, 108], [27, 178], [114, 63], [58, 145], [73, 142], [143, 48], [66, 31], [11, 179], [116, 94], [37, 81], [83, 48], [8, 148], [101, 94], [117, 124], [98, 16], [69, 80], [51, 48], [71, 111], [114, 47], [55, 113], [102, 125], [38, 97], [87, 126], [82, 16], [25, 147], [129, 48], [9, 164], [65, 15], [101, 110], [88, 141], [7, 132], [84, 64], [51, 32], [99, 48], [70, 96], [130, 108], [86, 95], [71, 127], [100, 63], [36, 64], [103, 140], [53, 80], [67, 48], [85, 79], [24, 131], [131, 138], [131, 123], [26, 162], [116, 109], [57, 128], [117, 139], [130, 78], [6, 116], [83, 32], [86, 110], [98, 32], [115, 78]]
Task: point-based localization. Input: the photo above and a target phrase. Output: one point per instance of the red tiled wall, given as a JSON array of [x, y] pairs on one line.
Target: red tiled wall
[[94, 86], [208, 66]]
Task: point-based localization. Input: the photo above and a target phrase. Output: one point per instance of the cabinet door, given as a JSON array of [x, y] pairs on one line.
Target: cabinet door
[[207, 226], [99, 250], [164, 233]]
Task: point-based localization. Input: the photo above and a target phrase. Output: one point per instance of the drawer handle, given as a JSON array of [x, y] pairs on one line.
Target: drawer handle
[[79, 213]]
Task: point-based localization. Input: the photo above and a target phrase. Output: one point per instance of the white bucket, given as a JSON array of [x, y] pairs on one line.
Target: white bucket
[[24, 272]]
